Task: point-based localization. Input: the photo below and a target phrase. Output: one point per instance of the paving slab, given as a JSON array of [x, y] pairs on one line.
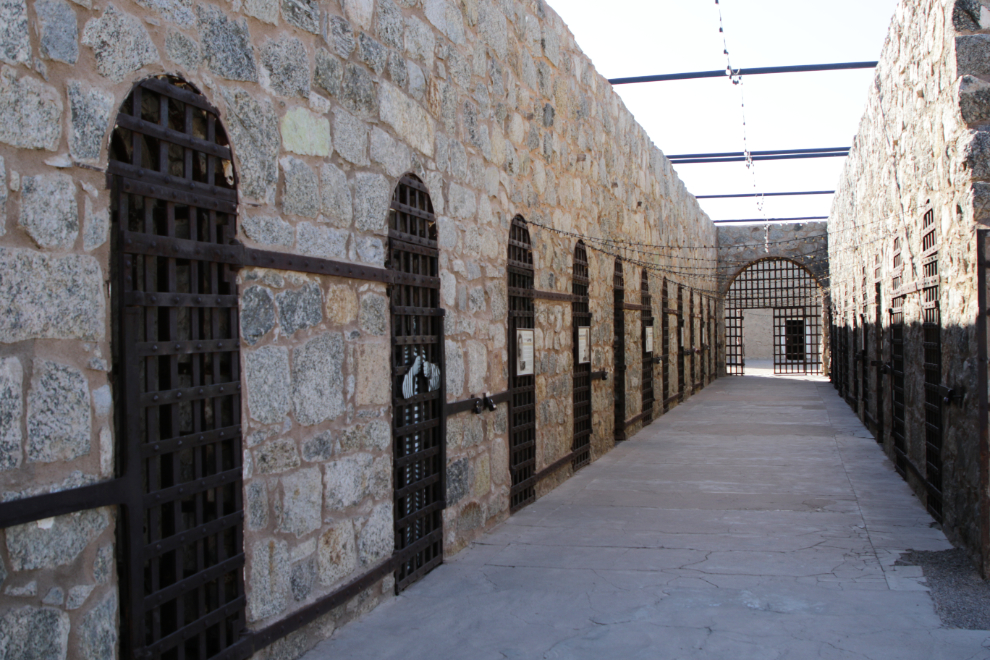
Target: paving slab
[[758, 520]]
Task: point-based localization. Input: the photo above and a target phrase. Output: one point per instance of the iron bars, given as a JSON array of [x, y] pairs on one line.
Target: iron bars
[[522, 384], [581, 318], [619, 352]]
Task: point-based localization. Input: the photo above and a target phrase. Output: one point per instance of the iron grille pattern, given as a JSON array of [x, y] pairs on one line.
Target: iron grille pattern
[[712, 339], [177, 359], [522, 389], [793, 293], [897, 350], [619, 352], [735, 363], [681, 384], [418, 423], [932, 338], [665, 335], [691, 321], [878, 352], [862, 348], [647, 322], [581, 317]]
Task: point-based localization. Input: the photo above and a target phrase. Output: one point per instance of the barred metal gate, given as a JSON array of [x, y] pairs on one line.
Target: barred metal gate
[[522, 388], [897, 341], [665, 334], [418, 422], [878, 359], [932, 331], [735, 362], [619, 352], [176, 343], [647, 374], [581, 318], [681, 384]]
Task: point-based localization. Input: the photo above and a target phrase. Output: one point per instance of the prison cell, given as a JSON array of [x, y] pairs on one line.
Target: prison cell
[[619, 352], [897, 351], [932, 364], [665, 333], [522, 388], [581, 392], [681, 350], [646, 386]]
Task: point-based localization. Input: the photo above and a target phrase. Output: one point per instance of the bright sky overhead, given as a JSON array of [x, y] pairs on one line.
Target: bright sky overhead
[[783, 111]]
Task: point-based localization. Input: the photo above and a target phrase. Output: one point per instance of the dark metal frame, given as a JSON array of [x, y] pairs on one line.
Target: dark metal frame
[[983, 405], [681, 351], [581, 390], [619, 352], [646, 382], [665, 312], [932, 360], [898, 426], [522, 402]]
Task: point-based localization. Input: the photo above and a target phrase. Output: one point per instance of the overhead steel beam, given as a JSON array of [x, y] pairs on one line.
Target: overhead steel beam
[[816, 217], [694, 75], [776, 194]]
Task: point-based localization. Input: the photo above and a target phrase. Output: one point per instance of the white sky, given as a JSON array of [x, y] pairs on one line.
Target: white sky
[[783, 111]]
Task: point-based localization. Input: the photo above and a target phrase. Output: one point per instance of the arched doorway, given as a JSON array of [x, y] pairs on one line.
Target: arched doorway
[[581, 320], [773, 309], [619, 351], [522, 379]]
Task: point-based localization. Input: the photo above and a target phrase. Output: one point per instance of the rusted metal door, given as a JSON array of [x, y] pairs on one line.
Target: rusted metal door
[[418, 423], [177, 373], [898, 429], [581, 318], [932, 338], [665, 345], [647, 374], [522, 386], [619, 352]]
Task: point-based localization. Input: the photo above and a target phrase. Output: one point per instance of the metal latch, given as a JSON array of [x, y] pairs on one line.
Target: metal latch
[[951, 395]]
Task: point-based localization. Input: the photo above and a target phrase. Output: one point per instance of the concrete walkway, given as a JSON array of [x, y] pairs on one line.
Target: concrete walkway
[[759, 520]]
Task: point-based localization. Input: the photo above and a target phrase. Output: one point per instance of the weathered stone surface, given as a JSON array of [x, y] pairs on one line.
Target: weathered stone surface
[[389, 23], [226, 44], [182, 50], [336, 196], [78, 595], [277, 456], [470, 518], [120, 44], [457, 481], [257, 313], [304, 14], [98, 630], [320, 448], [298, 309], [372, 53], [329, 72], [395, 157], [256, 505], [11, 413], [461, 202], [33, 633], [268, 383], [302, 578], [376, 539], [96, 226], [973, 55], [3, 197], [481, 476], [342, 304], [446, 18], [357, 91], [455, 369], [269, 582], [373, 382], [372, 196], [378, 436], [420, 41], [350, 137], [254, 131], [30, 112], [57, 31], [301, 195], [15, 43], [374, 314], [346, 480], [263, 10], [54, 542], [370, 250], [268, 230], [102, 401], [322, 241], [318, 380], [287, 65], [302, 501], [59, 422], [337, 552], [340, 35], [477, 366], [49, 212], [103, 564], [410, 121], [55, 596], [306, 133]]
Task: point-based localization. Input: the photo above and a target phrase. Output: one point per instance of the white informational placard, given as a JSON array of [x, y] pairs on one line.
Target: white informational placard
[[524, 353], [584, 345], [649, 339]]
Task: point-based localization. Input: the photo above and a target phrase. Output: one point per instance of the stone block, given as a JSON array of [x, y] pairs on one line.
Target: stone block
[[320, 448], [301, 195], [11, 413], [226, 44], [357, 91], [457, 481], [973, 55], [277, 456], [470, 518], [97, 632], [370, 250], [269, 579], [120, 44], [55, 541], [96, 226], [445, 17], [455, 369], [336, 554], [287, 65], [376, 540], [183, 51], [256, 505], [318, 379], [257, 313], [268, 383], [34, 633], [322, 241], [380, 479], [265, 11], [103, 565], [59, 422], [30, 112], [477, 366], [374, 314], [253, 128], [49, 212], [373, 374], [298, 309], [78, 595], [420, 42], [493, 30], [378, 436], [302, 500], [15, 41], [268, 230], [974, 100], [304, 14], [58, 32], [481, 476], [55, 596], [346, 481], [302, 578], [389, 23], [342, 304], [409, 120], [350, 137], [474, 431], [372, 197], [340, 36], [329, 72], [306, 133], [462, 202], [394, 156]]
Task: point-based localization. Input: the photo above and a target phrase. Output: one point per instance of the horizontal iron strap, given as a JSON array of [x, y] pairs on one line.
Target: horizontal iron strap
[[189, 488], [522, 427], [144, 299], [267, 636], [143, 349], [172, 91], [640, 416], [675, 312], [560, 297], [582, 434], [395, 245], [138, 125], [413, 340], [170, 188], [598, 375], [417, 485], [522, 314], [418, 456], [670, 399], [547, 471], [413, 211], [417, 311], [635, 307], [39, 507], [468, 404], [409, 429], [416, 515], [194, 581], [516, 292], [519, 266], [418, 398], [531, 462], [193, 440], [158, 548], [199, 625], [165, 397], [282, 261]]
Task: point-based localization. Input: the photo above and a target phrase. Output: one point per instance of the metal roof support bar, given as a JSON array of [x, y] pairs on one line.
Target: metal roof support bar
[[694, 75]]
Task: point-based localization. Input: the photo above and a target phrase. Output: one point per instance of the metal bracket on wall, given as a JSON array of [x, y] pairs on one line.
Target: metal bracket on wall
[[599, 375], [478, 404], [951, 395]]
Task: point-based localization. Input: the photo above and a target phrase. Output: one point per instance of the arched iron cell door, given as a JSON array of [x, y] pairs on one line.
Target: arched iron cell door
[[647, 320], [418, 424], [522, 380], [581, 318], [619, 352], [177, 375]]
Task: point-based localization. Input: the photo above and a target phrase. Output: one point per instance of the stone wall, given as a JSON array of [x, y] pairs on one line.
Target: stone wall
[[803, 242], [922, 145], [326, 104]]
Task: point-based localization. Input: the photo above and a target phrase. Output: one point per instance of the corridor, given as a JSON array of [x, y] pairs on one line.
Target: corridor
[[757, 520]]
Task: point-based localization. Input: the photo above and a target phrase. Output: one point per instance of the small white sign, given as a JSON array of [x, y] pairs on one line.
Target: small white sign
[[649, 339], [584, 343], [524, 353]]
